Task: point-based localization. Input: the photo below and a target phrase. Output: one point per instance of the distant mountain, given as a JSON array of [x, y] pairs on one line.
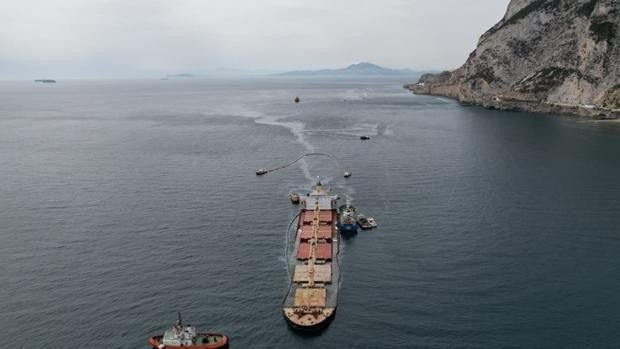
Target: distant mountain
[[359, 69], [224, 72]]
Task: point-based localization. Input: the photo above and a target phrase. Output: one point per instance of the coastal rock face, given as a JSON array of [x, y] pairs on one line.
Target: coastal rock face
[[558, 56]]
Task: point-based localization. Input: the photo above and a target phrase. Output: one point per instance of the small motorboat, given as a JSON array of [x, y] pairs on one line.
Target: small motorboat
[[364, 138], [362, 222], [296, 99], [347, 174], [186, 337], [295, 198], [372, 222], [261, 171]]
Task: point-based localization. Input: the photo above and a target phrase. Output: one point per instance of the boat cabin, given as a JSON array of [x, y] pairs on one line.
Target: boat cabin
[[179, 336]]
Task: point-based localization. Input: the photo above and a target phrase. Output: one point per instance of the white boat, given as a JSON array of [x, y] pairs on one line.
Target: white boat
[[372, 222]]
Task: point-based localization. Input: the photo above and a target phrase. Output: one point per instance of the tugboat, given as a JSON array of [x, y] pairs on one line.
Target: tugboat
[[261, 171], [364, 138], [185, 336], [363, 222], [347, 219], [294, 198]]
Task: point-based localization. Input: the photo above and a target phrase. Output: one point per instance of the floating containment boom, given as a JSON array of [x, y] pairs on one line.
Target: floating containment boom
[[262, 171]]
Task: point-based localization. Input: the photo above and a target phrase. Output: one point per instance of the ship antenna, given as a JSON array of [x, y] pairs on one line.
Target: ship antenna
[[179, 321]]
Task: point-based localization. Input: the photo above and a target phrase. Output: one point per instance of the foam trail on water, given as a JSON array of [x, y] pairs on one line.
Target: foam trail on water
[[355, 130], [285, 261], [352, 95], [297, 129], [444, 100]]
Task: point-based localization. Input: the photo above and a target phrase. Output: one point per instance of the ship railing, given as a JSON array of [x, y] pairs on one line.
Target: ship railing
[[308, 310]]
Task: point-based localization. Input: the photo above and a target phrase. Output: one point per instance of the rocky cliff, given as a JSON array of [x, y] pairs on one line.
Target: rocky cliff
[[551, 56]]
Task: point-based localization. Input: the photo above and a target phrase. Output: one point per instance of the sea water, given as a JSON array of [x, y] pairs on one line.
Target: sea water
[[123, 202]]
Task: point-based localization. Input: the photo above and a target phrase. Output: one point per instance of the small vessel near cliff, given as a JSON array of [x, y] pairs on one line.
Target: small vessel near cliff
[[295, 198], [347, 220], [311, 300], [185, 336]]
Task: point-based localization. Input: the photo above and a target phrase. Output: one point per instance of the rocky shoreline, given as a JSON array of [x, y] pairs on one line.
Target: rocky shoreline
[[543, 56], [532, 106]]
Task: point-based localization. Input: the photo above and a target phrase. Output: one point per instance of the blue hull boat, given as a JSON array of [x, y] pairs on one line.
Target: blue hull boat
[[347, 220]]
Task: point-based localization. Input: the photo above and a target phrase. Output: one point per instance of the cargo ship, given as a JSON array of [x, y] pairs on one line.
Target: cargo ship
[[312, 297], [347, 220]]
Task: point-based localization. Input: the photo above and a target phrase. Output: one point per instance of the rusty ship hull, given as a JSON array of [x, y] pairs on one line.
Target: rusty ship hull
[[311, 301]]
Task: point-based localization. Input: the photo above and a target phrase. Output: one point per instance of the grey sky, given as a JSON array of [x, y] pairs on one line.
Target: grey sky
[[125, 38]]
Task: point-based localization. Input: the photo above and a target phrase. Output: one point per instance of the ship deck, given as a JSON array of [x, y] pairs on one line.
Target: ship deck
[[315, 269]]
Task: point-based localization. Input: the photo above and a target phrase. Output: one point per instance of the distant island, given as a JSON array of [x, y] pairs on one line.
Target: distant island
[[359, 69], [547, 56], [180, 76]]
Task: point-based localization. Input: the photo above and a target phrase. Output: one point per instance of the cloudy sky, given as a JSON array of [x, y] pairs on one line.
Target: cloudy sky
[[141, 38]]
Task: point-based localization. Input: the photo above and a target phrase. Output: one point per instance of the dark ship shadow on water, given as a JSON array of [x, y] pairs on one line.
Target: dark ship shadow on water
[[348, 237]]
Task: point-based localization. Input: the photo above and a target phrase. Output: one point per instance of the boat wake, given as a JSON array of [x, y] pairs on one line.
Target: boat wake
[[354, 95], [363, 129], [297, 129]]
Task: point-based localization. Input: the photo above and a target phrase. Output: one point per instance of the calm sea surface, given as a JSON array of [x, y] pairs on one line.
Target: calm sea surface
[[122, 202]]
